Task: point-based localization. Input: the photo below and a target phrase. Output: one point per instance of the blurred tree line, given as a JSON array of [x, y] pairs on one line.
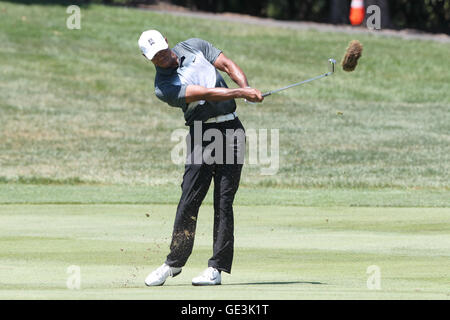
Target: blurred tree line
[[427, 15]]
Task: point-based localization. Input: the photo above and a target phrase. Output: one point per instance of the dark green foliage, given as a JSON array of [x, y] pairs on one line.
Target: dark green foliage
[[430, 15]]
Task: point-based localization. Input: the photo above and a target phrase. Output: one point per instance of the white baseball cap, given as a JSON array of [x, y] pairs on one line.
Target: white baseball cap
[[151, 42]]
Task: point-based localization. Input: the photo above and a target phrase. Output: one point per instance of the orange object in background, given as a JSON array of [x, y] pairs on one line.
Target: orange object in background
[[357, 12]]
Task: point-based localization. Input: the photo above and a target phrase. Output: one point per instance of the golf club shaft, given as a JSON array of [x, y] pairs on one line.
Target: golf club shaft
[[332, 69], [297, 84]]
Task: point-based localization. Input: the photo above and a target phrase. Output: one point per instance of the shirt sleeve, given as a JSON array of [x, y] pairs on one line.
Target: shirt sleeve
[[209, 51], [172, 94]]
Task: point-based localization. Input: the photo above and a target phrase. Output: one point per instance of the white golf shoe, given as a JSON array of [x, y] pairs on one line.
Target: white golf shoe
[[159, 276], [210, 277]]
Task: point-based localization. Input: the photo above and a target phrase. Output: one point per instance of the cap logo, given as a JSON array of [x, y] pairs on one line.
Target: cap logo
[[151, 41]]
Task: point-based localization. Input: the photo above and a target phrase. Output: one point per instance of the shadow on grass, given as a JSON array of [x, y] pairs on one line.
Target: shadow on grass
[[272, 283]]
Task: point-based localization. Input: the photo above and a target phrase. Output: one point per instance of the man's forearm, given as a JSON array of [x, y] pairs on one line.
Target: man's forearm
[[222, 94], [232, 69], [237, 75], [196, 93]]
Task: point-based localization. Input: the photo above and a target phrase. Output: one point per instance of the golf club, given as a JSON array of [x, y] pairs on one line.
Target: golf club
[[332, 69]]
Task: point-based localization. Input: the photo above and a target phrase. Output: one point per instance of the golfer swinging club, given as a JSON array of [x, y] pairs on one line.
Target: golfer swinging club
[[186, 77]]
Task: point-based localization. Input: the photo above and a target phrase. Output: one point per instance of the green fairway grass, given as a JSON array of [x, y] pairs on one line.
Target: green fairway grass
[[13, 193], [281, 252], [86, 177]]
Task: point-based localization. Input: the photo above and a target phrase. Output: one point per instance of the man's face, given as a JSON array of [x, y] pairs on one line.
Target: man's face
[[165, 59]]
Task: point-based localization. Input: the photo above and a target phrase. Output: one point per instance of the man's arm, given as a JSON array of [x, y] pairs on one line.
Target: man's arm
[[196, 93], [232, 69]]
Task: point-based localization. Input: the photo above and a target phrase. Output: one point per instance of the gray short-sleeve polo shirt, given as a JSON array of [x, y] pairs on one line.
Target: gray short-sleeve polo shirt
[[196, 67]]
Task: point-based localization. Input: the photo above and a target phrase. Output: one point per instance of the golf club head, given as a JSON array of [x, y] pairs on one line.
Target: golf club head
[[332, 65]]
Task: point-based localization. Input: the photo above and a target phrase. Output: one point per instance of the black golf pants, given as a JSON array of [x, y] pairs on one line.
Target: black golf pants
[[196, 182]]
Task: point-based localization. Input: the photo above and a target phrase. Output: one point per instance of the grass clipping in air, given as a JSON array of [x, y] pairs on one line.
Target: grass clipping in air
[[350, 60]]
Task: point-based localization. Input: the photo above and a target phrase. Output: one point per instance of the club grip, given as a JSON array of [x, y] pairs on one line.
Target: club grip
[[266, 94]]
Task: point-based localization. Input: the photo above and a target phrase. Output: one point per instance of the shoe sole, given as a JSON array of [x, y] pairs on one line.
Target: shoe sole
[[158, 285], [205, 284]]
